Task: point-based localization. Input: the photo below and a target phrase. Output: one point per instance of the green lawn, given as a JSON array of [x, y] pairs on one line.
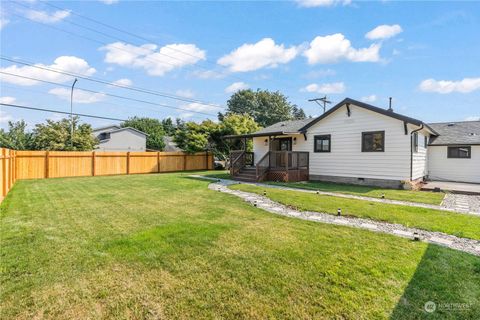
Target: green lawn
[[365, 191], [462, 225], [164, 246]]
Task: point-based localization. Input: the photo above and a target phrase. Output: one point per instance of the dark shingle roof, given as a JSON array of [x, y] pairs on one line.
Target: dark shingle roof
[[466, 132], [283, 127]]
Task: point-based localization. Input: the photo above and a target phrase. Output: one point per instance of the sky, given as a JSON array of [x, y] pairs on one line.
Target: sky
[[426, 55]]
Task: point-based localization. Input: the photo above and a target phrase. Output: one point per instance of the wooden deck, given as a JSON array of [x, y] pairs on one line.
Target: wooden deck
[[281, 166]]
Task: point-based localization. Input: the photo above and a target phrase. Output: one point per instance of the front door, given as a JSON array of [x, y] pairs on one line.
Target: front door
[[281, 144]]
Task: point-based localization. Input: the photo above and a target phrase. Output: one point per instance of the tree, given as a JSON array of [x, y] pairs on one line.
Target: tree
[[168, 126], [152, 127], [16, 138], [264, 106], [298, 113], [55, 135], [208, 135]]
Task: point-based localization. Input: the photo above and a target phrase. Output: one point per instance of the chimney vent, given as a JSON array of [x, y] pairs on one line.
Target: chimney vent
[[390, 104]]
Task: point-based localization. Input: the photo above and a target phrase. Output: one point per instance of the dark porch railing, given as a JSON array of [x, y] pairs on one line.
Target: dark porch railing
[[288, 160]]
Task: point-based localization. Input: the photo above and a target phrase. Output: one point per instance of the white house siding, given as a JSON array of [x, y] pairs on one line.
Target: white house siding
[[259, 148], [346, 158], [440, 167], [124, 140]]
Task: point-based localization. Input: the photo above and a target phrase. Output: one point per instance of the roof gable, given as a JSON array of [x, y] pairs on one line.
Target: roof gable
[[348, 101]]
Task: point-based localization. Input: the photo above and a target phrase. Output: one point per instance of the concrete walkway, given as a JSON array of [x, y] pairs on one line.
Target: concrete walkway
[[455, 187], [462, 244]]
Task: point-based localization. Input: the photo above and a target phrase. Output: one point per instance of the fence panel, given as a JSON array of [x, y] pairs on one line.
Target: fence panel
[[7, 171], [143, 162], [110, 163], [31, 164], [69, 164]]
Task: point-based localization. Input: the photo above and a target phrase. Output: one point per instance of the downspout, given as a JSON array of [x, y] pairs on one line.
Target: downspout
[[411, 150]]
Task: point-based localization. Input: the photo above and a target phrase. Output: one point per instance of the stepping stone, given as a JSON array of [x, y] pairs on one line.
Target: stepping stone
[[369, 226], [294, 213], [403, 233], [440, 241]]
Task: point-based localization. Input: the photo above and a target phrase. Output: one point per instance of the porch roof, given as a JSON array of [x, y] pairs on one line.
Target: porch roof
[[279, 128]]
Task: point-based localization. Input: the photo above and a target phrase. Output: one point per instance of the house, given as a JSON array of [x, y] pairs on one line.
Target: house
[[358, 143], [116, 138]]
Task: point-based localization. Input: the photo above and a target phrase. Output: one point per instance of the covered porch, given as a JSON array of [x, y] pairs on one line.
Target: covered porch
[[273, 159]]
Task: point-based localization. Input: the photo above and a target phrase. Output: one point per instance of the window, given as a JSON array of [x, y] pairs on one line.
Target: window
[[373, 141], [425, 142], [104, 136], [415, 142], [459, 152], [321, 143]]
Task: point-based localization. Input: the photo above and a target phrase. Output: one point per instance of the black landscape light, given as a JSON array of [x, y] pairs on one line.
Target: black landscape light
[[383, 195], [416, 236], [264, 192], [339, 212]]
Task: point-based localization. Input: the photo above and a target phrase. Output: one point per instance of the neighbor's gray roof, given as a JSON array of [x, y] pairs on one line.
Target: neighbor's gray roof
[[450, 133], [279, 128], [170, 145]]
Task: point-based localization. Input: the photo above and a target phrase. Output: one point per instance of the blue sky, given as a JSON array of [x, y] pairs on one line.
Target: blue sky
[[426, 55]]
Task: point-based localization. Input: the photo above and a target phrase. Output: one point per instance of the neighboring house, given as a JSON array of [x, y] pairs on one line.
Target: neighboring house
[[116, 138], [358, 143], [170, 145]]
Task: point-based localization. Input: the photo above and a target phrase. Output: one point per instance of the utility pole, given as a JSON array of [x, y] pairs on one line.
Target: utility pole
[[322, 102], [71, 112]]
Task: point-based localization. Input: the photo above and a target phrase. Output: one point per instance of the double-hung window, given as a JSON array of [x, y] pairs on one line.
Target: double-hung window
[[322, 143]]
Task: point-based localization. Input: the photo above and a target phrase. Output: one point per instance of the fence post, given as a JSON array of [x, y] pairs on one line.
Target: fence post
[[47, 156], [93, 163], [184, 162], [158, 161], [4, 178], [128, 162]]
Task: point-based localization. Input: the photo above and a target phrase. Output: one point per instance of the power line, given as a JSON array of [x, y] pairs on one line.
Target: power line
[[61, 112], [108, 94], [143, 108], [147, 91]]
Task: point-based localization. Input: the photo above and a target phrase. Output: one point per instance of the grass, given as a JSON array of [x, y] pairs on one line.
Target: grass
[[462, 225], [365, 191], [164, 246]]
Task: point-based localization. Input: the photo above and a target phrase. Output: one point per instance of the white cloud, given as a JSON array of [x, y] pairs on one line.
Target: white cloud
[[236, 86], [384, 32], [198, 107], [325, 88], [45, 17], [446, 86], [185, 115], [369, 99], [335, 47], [109, 1], [64, 63], [472, 118], [185, 93], [264, 53], [7, 100], [5, 117], [208, 74], [79, 96], [123, 82], [322, 3], [156, 61]]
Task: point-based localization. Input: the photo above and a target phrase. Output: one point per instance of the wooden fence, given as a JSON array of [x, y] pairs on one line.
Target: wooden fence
[[55, 164]]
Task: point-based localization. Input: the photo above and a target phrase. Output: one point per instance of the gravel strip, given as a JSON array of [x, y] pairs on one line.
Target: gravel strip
[[462, 244]]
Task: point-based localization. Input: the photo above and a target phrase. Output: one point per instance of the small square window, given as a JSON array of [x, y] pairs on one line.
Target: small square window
[[459, 152], [373, 141], [322, 143]]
